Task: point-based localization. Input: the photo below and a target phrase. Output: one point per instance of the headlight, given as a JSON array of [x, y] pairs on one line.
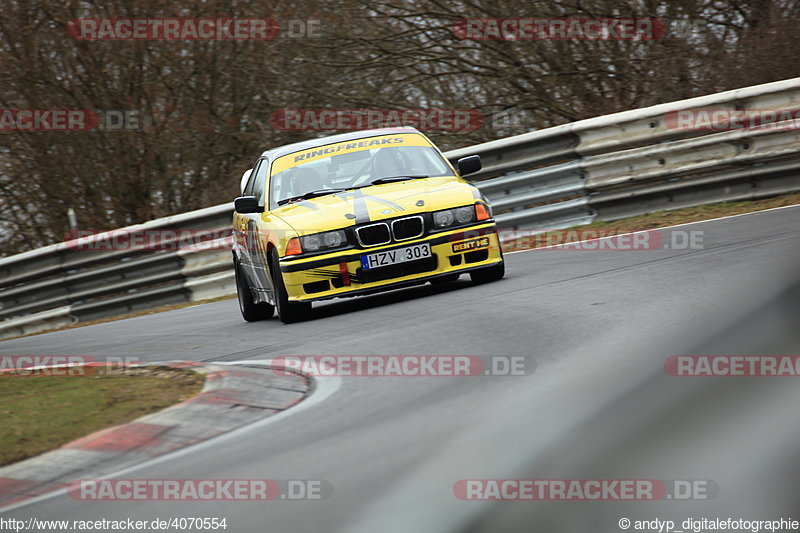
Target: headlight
[[311, 243], [465, 214], [450, 217], [318, 241], [333, 239], [443, 218]]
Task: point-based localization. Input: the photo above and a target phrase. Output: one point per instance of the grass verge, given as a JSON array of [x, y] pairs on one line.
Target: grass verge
[[41, 413], [661, 219]]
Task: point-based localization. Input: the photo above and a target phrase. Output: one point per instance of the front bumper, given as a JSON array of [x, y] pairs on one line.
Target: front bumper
[[321, 277]]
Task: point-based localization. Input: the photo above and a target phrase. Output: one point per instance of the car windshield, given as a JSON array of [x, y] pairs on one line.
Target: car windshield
[[352, 164]]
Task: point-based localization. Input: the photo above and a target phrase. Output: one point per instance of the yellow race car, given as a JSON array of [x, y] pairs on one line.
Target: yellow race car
[[353, 214]]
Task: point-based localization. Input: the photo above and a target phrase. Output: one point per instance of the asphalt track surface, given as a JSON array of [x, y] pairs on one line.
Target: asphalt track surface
[[562, 309]]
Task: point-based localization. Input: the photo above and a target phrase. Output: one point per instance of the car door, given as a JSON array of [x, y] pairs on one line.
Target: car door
[[258, 228], [246, 229], [240, 251]]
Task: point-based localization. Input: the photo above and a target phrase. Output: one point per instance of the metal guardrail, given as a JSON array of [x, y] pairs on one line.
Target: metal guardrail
[[605, 168], [635, 162], [78, 280]]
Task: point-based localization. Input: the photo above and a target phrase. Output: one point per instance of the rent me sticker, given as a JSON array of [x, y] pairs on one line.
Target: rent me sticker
[[472, 244]]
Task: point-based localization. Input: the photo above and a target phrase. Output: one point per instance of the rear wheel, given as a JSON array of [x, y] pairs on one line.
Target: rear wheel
[[487, 274], [288, 311], [251, 311]]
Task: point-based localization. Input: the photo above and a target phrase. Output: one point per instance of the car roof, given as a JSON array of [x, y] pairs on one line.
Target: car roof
[[322, 141]]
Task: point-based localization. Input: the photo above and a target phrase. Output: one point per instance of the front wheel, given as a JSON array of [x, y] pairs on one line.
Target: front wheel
[[288, 311], [490, 273], [251, 311]]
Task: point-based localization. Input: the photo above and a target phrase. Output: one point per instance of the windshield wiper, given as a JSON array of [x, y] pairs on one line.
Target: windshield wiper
[[392, 179], [309, 195], [325, 192]]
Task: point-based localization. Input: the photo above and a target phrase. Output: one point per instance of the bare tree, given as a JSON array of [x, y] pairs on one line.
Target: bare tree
[[204, 107]]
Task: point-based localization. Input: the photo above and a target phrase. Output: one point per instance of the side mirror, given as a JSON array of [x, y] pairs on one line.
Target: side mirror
[[245, 177], [247, 204], [469, 164]]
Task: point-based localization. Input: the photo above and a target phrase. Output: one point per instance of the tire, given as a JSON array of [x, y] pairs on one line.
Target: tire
[[251, 311], [441, 280], [288, 312], [488, 274]]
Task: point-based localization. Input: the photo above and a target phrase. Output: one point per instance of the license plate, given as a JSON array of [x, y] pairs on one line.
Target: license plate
[[398, 255]]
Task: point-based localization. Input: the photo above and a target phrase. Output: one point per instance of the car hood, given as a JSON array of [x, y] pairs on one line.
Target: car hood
[[376, 202]]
